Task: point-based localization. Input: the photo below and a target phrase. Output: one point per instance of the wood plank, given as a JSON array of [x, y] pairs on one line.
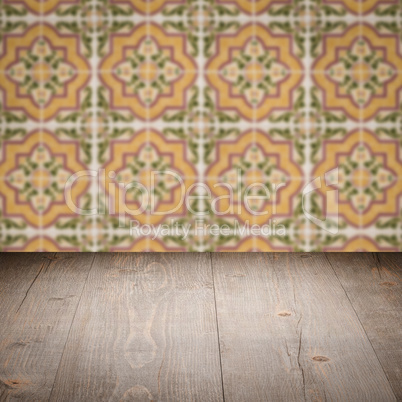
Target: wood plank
[[145, 330], [18, 272], [373, 283], [36, 330], [288, 332]]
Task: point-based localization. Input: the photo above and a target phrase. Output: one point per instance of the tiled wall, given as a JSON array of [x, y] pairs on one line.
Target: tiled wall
[[278, 92]]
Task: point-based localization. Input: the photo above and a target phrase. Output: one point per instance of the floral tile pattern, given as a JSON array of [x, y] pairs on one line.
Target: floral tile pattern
[[201, 125]]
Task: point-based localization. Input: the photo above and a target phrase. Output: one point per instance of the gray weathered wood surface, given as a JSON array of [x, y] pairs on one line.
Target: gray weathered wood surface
[[373, 283], [207, 327], [146, 329], [34, 333]]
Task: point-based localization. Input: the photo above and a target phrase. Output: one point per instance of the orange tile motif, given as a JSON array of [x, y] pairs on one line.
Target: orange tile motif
[[43, 6], [43, 72], [359, 72], [369, 185], [149, 6], [253, 7], [255, 158], [254, 72], [361, 7], [201, 125], [157, 165], [35, 171], [144, 75]]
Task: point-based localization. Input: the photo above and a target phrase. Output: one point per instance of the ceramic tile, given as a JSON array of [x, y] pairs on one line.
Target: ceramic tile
[[304, 95]]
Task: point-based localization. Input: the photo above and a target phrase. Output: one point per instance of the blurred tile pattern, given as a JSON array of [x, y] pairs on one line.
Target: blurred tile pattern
[[279, 92]]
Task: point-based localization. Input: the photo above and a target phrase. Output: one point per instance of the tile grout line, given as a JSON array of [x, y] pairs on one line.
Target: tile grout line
[[307, 87], [148, 120], [201, 126], [247, 123], [208, 71], [137, 17], [254, 144], [95, 190], [361, 112], [41, 124]]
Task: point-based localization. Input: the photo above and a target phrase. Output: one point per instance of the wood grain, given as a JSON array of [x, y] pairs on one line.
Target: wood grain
[[147, 327], [39, 296], [288, 332], [373, 283], [17, 273], [145, 330]]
